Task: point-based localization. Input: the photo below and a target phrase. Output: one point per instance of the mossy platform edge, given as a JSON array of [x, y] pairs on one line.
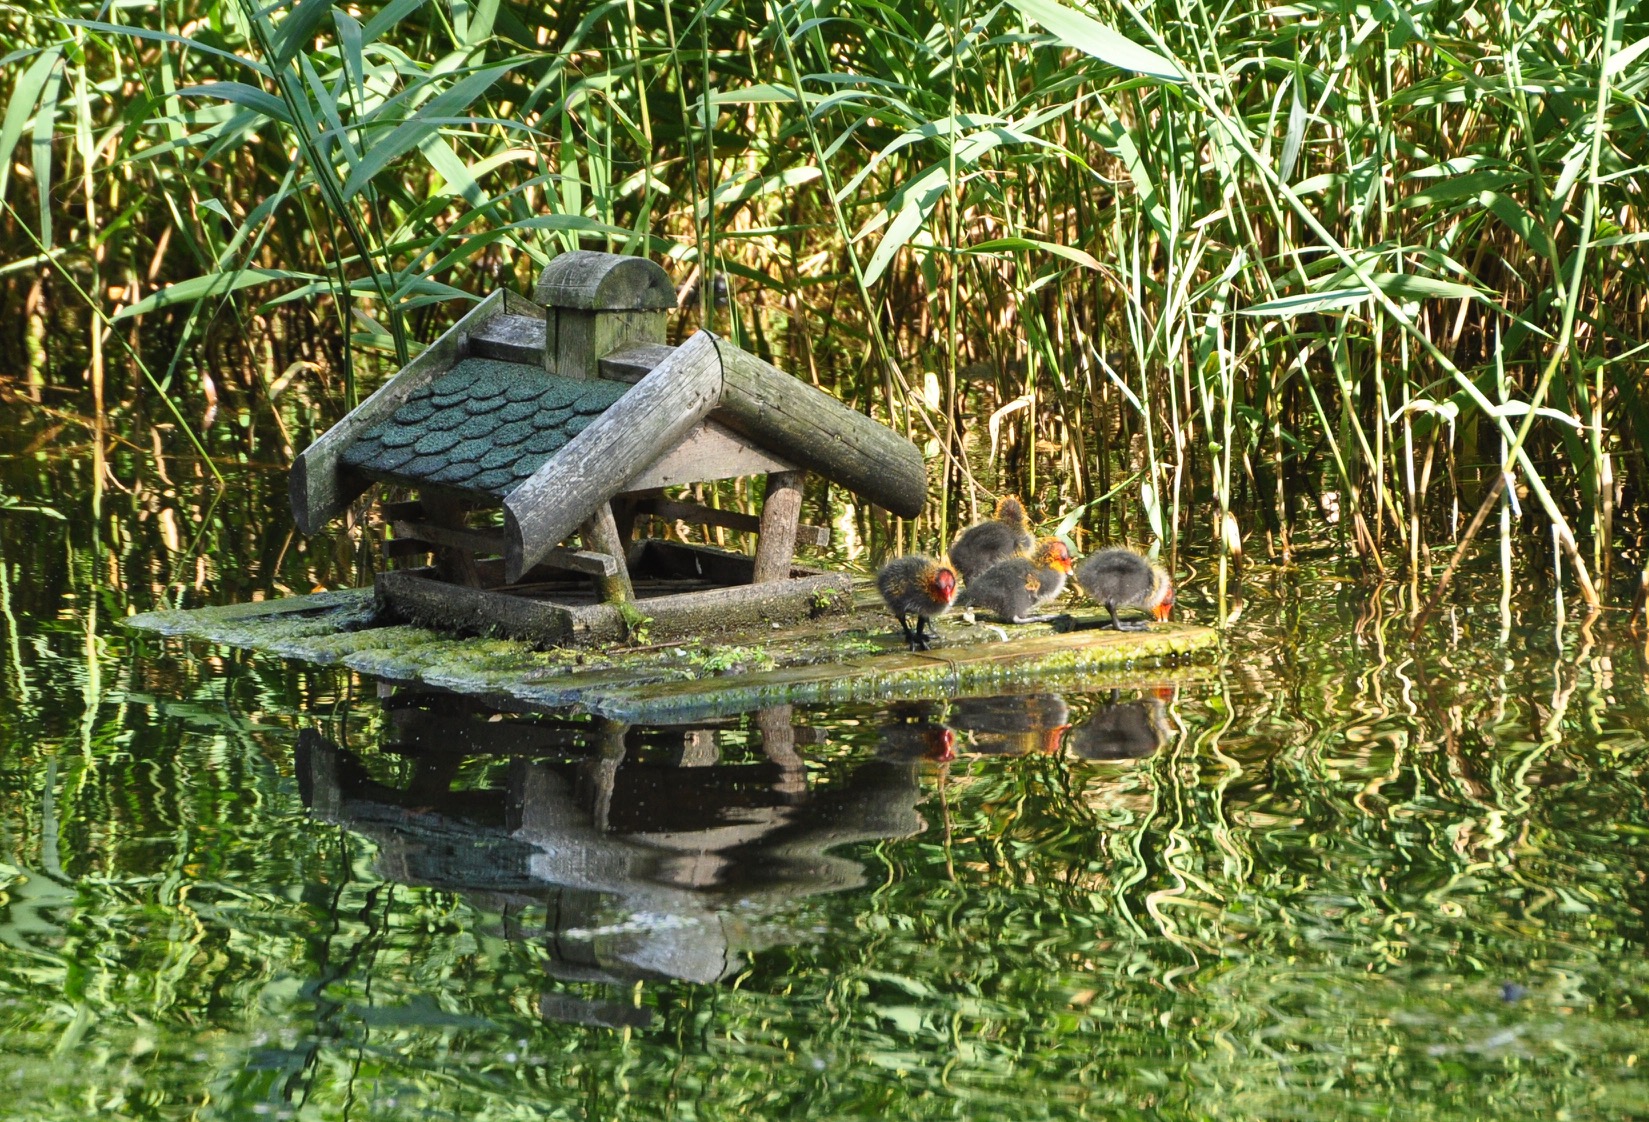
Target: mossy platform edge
[[852, 658]]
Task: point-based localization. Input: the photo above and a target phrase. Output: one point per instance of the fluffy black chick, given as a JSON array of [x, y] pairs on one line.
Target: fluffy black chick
[[1121, 578], [1012, 589], [916, 586], [991, 542]]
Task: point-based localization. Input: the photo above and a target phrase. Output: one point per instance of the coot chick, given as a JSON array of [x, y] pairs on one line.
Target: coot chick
[[1013, 588], [916, 586], [1121, 578], [983, 545]]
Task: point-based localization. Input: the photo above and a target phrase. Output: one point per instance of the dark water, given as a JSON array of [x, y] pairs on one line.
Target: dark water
[[1341, 875]]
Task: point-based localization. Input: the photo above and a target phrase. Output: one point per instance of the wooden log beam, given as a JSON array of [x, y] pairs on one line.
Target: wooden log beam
[[781, 513], [600, 462], [818, 433], [699, 515]]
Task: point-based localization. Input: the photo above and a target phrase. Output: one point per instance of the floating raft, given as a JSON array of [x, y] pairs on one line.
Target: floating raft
[[855, 657]]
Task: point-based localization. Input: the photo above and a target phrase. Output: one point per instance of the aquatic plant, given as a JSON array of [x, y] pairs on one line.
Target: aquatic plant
[[1217, 273]]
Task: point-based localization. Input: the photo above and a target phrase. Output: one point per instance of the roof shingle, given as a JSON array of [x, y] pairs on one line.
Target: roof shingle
[[484, 426]]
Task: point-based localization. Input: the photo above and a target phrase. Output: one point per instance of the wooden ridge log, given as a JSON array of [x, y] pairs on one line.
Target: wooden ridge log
[[819, 433], [599, 462], [592, 281]]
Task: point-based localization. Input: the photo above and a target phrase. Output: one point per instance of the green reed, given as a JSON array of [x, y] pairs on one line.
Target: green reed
[[1266, 263]]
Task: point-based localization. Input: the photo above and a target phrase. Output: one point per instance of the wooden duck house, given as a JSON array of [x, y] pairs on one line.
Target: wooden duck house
[[531, 424]]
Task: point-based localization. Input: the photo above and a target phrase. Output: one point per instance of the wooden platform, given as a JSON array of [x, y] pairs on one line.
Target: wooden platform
[[858, 656]]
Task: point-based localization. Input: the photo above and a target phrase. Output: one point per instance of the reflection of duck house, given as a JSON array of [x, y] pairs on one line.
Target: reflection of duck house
[[649, 854], [525, 425]]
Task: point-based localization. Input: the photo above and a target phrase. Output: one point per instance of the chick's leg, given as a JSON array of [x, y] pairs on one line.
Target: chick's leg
[[910, 637], [1132, 625], [924, 634]]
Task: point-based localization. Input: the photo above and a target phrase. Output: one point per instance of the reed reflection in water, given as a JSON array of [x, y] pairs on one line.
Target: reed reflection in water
[[1346, 872]]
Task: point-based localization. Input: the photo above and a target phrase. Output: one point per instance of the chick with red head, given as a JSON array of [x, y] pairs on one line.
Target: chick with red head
[[916, 586]]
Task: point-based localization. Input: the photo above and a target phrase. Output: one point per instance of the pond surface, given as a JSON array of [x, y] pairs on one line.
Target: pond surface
[[1344, 875]]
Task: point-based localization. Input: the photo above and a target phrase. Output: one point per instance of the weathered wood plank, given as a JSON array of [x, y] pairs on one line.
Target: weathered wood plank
[[510, 338], [633, 363], [455, 537], [709, 452], [778, 411], [781, 514], [472, 611], [396, 549], [408, 511], [696, 514], [580, 561], [601, 461], [319, 485]]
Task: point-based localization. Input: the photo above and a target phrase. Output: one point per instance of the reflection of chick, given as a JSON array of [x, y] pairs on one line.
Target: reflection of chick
[[916, 586], [1013, 725], [922, 741], [1014, 588], [993, 541], [1131, 730], [1121, 578]]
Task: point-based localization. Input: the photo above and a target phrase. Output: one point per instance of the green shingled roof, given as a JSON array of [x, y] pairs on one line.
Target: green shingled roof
[[483, 426]]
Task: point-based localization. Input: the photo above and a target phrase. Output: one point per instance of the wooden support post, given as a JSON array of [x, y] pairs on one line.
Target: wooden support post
[[605, 769], [779, 745], [455, 561], [781, 511], [600, 534]]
